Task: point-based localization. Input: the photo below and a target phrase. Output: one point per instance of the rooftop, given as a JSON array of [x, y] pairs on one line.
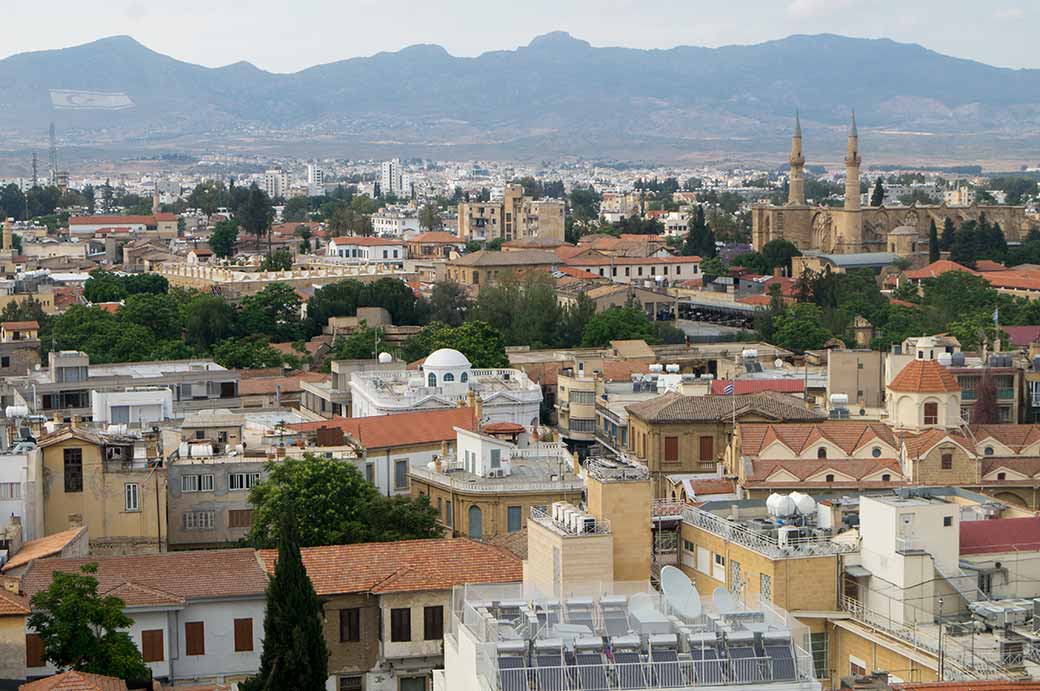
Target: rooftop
[[924, 376], [675, 407], [43, 547], [404, 429], [75, 681]]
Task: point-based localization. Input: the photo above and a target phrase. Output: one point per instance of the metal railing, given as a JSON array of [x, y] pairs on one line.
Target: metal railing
[[909, 544], [595, 527], [765, 543], [504, 485]]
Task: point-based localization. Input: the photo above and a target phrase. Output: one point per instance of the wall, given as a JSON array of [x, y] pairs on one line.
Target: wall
[[221, 500], [352, 657], [578, 561], [852, 371], [12, 647], [626, 505], [646, 440], [220, 659], [845, 643]]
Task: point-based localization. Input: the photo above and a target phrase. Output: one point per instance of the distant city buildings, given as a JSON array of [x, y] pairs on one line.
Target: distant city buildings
[[276, 183], [513, 217]]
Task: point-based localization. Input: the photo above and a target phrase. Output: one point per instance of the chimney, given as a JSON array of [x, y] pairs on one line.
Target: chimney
[[75, 422], [155, 201], [776, 272], [8, 234]]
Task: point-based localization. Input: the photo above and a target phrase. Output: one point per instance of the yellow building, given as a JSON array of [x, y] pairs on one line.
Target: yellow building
[[114, 485], [513, 218]]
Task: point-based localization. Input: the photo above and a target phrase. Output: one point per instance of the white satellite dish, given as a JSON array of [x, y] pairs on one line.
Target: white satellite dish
[[680, 593], [724, 601]]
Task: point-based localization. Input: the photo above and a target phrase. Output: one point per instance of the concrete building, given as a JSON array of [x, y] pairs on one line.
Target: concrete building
[[276, 183], [388, 605], [161, 225], [639, 270], [19, 348], [390, 178], [857, 374], [315, 180], [483, 268], [366, 250], [394, 222], [512, 218], [445, 380]]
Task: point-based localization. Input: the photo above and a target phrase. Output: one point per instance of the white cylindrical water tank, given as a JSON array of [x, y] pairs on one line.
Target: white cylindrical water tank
[[385, 358], [16, 411], [803, 503], [656, 368], [749, 353], [839, 399], [672, 369]]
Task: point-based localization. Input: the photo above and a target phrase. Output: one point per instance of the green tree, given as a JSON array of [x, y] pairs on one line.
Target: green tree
[[255, 214], [335, 505], [207, 320], [208, 196], [430, 217], [700, 241], [364, 344], [297, 209], [618, 323], [223, 238], [103, 286], [449, 303], [159, 313], [303, 231], [799, 328], [12, 202], [480, 342], [274, 312], [84, 631], [295, 655], [573, 321], [779, 253], [523, 308], [949, 234], [933, 242], [752, 260], [248, 352], [712, 268], [281, 260], [103, 336], [877, 198]]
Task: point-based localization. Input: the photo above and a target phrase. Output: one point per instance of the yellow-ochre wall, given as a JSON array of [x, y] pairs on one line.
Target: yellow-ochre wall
[[12, 647], [626, 505]]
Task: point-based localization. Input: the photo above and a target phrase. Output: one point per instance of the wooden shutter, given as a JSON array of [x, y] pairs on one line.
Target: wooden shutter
[[152, 645], [243, 635], [194, 638], [33, 650], [707, 448], [671, 448]]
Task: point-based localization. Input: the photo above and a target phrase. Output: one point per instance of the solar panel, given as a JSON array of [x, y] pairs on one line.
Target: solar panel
[[511, 662], [664, 668], [616, 623], [743, 666], [551, 675], [592, 673], [511, 678], [783, 661], [629, 671]]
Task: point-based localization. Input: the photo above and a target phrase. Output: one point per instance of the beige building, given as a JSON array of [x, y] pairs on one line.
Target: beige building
[[854, 229], [114, 485], [513, 218], [857, 374], [483, 268]]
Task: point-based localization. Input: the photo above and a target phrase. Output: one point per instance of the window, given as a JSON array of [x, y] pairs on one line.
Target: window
[[370, 473], [876, 452], [818, 644], [886, 477], [821, 452], [765, 586], [857, 667], [988, 451], [448, 377], [433, 623], [197, 483], [985, 581], [194, 638], [718, 572], [464, 377], [240, 518], [449, 515], [431, 379], [947, 461], [200, 434], [707, 448], [349, 684], [34, 650], [350, 625], [5, 361], [198, 520], [476, 523], [400, 625], [401, 474], [671, 449], [582, 397], [947, 521], [931, 413], [513, 517], [152, 645], [73, 470], [132, 495], [242, 481], [1002, 476], [582, 425], [10, 490], [829, 477], [496, 458], [243, 635]]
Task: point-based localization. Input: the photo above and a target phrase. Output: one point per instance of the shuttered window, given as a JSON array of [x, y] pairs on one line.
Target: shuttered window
[[194, 638], [433, 623], [400, 625], [33, 650], [350, 625], [707, 448], [240, 518], [671, 448], [152, 645], [243, 635]]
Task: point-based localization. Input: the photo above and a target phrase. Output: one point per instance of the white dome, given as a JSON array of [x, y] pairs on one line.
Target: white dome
[[446, 358]]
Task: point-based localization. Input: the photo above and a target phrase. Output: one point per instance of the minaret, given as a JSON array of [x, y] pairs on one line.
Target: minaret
[[852, 161], [8, 235], [796, 179]]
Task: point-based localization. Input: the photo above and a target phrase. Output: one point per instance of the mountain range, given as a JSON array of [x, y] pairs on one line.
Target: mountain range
[[557, 96]]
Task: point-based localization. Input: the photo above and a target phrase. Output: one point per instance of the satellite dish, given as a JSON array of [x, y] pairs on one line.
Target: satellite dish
[[724, 601], [385, 358], [680, 593], [778, 362]]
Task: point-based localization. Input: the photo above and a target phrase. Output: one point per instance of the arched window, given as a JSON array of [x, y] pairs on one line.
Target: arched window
[[876, 452], [821, 452], [431, 379], [988, 451], [464, 377], [476, 523], [829, 477], [448, 376], [931, 413]]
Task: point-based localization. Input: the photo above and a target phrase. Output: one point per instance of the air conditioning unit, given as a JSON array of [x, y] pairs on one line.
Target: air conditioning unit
[[586, 524]]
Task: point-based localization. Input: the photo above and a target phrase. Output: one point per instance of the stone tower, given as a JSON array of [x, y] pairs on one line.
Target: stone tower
[[852, 162], [796, 185]]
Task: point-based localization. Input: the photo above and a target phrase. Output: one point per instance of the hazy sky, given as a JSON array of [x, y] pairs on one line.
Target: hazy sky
[[287, 35]]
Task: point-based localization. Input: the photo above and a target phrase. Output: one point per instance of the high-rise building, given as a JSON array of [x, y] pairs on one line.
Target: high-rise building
[[277, 183], [390, 180], [315, 180]]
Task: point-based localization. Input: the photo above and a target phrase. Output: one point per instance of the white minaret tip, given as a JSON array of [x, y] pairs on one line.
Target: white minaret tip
[[853, 131], [797, 124]]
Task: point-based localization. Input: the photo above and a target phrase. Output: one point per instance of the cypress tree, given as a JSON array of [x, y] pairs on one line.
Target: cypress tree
[[878, 196], [700, 241], [948, 234], [295, 655], [933, 242]]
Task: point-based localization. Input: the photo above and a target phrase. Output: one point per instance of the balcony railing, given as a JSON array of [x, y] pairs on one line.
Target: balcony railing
[[765, 543], [909, 544], [505, 485]]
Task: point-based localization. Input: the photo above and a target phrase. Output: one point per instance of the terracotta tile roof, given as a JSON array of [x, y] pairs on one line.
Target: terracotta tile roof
[[75, 681], [21, 326], [742, 386], [578, 273], [989, 265], [1000, 535], [110, 307], [1030, 467], [1022, 336], [259, 386], [535, 243], [437, 237], [565, 252], [921, 443], [968, 686], [803, 468], [12, 604], [847, 435], [43, 547], [515, 542], [935, 269], [713, 486], [188, 575], [596, 259], [503, 428], [1012, 280], [1015, 437], [404, 566], [136, 595], [925, 376], [115, 220], [403, 429], [674, 407], [511, 258]]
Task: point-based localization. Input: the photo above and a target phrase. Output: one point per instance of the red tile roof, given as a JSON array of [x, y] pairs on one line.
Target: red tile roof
[[1022, 336], [847, 435], [116, 220], [188, 575], [259, 386], [742, 386], [12, 604], [925, 376], [1000, 535], [578, 273], [403, 429], [713, 486], [75, 681], [43, 547], [437, 237], [503, 428], [935, 269], [803, 468], [605, 260], [21, 326], [404, 566]]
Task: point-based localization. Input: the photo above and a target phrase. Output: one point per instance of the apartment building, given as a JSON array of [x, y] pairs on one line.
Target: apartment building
[[113, 484], [356, 249], [512, 218], [19, 348], [639, 270], [197, 616], [388, 605], [394, 222]]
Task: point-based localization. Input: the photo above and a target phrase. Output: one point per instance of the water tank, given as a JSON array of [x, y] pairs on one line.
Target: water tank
[[16, 411], [958, 359], [672, 369], [385, 358], [803, 503], [945, 359], [749, 353], [839, 400], [780, 505], [656, 368]]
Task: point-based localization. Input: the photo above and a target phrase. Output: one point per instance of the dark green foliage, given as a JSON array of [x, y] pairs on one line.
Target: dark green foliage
[[700, 241], [295, 655], [364, 344], [799, 328], [281, 260], [779, 253], [248, 352], [618, 323], [274, 312], [933, 242], [877, 198], [84, 631], [712, 268], [524, 309], [449, 303], [104, 286], [343, 299], [223, 238], [255, 213], [949, 234], [480, 342], [207, 320]]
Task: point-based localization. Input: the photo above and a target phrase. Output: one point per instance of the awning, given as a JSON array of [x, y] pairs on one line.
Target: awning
[[856, 571]]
